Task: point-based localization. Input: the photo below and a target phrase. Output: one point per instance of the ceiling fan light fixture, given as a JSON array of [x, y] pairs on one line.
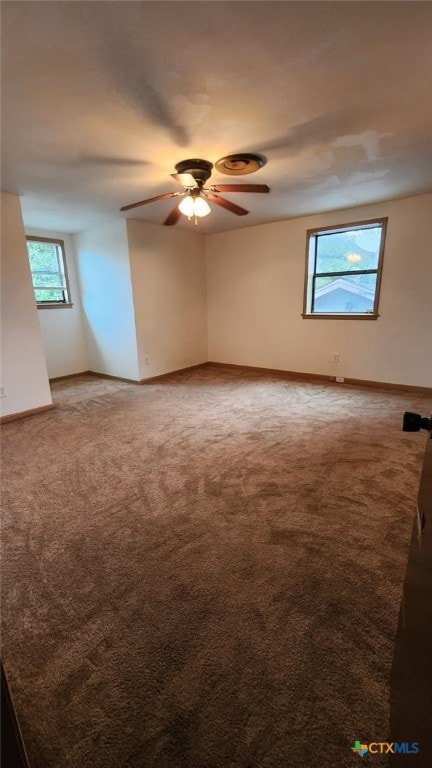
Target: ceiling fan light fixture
[[202, 207], [194, 206], [187, 206]]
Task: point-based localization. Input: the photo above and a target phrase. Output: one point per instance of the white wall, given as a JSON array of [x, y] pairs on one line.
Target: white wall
[[62, 328], [169, 289], [23, 369], [106, 294], [255, 280]]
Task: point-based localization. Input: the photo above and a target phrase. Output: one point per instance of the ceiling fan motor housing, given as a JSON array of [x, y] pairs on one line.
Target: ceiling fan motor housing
[[199, 169]]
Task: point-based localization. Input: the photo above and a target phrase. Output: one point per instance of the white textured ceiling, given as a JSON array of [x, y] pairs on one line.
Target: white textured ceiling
[[101, 99]]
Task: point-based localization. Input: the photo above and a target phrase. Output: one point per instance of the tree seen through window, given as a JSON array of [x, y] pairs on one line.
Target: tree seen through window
[[48, 271]]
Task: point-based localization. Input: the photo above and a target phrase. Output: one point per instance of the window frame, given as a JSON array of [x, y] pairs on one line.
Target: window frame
[[53, 304], [311, 274]]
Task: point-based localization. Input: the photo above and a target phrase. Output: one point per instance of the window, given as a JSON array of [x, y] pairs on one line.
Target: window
[[48, 270], [343, 270]]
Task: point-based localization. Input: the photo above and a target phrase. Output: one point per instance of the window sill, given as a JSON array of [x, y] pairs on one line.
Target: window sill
[[55, 306], [341, 316]]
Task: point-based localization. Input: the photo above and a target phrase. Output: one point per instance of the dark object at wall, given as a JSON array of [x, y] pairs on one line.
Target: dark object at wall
[[13, 754], [414, 422], [411, 679]]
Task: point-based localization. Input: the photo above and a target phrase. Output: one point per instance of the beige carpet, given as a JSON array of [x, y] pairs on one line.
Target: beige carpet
[[206, 572]]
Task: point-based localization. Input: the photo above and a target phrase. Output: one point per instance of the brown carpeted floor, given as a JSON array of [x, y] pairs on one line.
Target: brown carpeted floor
[[206, 572]]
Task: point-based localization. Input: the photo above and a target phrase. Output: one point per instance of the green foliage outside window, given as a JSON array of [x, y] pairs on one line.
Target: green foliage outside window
[[352, 251], [48, 271], [343, 269]]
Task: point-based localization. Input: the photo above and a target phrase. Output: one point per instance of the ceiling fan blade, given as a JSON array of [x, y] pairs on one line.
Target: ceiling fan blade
[[241, 188], [173, 217], [186, 179], [150, 200], [227, 204], [107, 160]]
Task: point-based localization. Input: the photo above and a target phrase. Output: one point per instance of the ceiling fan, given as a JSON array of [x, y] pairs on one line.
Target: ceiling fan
[[192, 175]]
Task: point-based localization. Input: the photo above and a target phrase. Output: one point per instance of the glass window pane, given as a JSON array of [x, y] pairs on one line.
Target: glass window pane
[[43, 257], [41, 280], [48, 271], [348, 251], [49, 296], [350, 293]]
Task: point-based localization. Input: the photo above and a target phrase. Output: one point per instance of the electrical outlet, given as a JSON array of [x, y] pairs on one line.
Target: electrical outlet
[[3, 391], [146, 361], [340, 379], [336, 357]]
